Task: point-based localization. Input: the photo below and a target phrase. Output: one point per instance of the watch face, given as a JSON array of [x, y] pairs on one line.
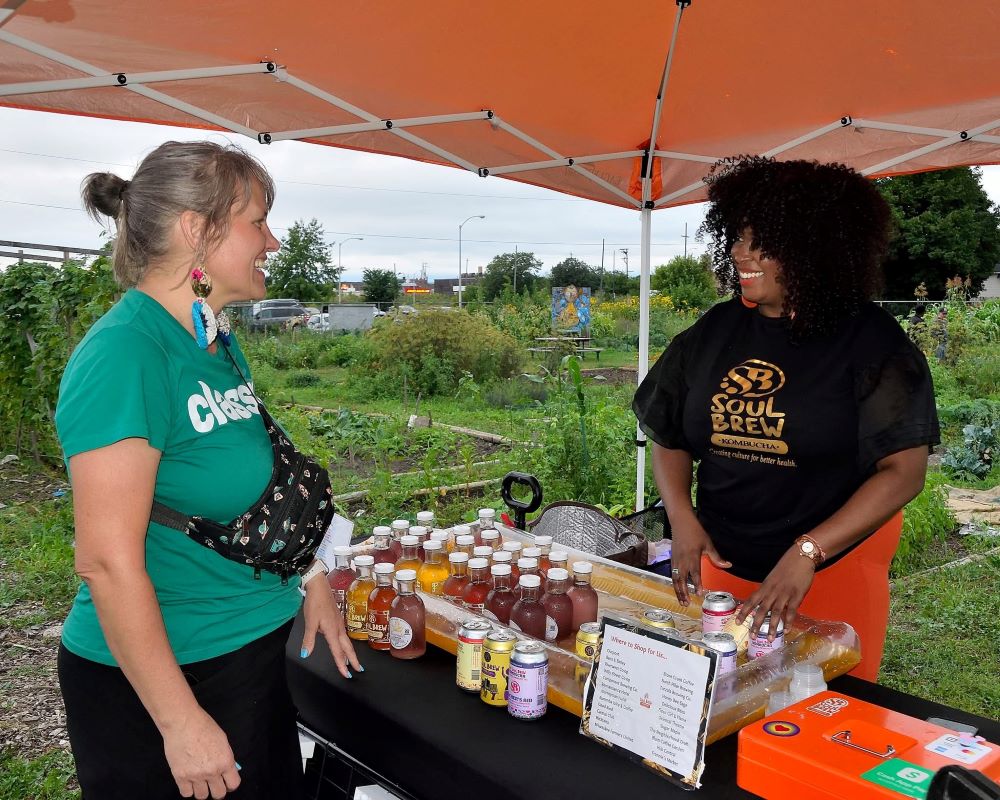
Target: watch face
[[808, 547]]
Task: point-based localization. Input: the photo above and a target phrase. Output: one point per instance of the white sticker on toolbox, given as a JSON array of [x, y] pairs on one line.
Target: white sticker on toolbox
[[829, 707], [966, 749]]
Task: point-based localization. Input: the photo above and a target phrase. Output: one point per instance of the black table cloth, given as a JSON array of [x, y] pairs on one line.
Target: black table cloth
[[410, 723]]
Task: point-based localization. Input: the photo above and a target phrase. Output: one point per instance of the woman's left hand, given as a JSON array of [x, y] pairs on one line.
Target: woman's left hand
[[321, 615], [780, 593]]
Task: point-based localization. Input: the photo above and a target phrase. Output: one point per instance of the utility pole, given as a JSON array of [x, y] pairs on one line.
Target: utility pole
[[625, 259], [515, 268], [685, 240]]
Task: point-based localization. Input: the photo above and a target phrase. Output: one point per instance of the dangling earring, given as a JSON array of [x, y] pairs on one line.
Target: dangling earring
[[206, 327]]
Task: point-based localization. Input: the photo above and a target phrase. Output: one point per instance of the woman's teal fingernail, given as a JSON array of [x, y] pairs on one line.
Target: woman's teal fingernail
[[349, 675], [360, 668], [303, 653], [238, 767]]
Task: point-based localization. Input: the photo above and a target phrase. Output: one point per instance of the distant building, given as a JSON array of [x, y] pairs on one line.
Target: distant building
[[352, 287], [449, 286], [991, 288]]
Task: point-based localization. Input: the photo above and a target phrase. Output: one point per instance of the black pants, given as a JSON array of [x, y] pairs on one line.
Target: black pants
[[119, 751]]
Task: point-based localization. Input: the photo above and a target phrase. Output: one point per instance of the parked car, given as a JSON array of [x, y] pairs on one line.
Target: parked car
[[277, 315], [319, 322]]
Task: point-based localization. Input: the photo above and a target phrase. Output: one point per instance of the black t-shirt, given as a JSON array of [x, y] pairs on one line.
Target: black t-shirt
[[784, 433]]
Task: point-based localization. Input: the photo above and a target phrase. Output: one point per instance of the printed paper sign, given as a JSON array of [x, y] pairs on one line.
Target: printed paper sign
[[339, 533]]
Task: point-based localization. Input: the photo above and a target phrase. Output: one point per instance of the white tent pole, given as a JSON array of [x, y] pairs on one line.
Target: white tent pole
[[962, 136], [557, 162], [646, 216], [380, 125]]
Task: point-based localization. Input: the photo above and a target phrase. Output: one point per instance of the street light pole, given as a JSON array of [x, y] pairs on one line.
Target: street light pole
[[340, 280], [474, 216]]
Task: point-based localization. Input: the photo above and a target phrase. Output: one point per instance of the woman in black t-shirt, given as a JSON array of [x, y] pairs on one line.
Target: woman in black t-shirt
[[807, 408]]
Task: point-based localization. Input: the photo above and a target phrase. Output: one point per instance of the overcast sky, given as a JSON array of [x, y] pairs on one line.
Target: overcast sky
[[407, 213]]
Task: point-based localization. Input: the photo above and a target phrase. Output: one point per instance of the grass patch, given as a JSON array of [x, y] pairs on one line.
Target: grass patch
[[942, 637], [37, 561], [47, 777]]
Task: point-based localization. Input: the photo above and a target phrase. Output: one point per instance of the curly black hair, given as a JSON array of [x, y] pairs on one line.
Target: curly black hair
[[825, 224]]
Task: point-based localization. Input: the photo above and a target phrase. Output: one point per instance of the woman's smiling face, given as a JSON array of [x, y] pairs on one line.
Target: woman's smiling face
[[760, 275]]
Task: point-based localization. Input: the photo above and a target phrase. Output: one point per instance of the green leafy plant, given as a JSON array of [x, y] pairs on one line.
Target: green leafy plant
[[926, 520], [973, 459]]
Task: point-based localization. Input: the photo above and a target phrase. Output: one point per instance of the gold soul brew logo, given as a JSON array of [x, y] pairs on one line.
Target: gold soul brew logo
[[745, 422]]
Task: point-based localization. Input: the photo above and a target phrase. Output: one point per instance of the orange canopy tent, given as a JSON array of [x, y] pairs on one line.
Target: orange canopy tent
[[566, 95]]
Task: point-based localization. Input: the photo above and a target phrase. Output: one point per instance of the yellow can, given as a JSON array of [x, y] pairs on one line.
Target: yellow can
[[497, 649], [656, 618], [469, 666], [587, 638]]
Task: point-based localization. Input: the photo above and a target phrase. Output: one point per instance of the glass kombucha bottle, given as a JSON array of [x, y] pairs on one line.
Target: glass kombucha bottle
[[487, 522], [400, 527], [582, 594], [543, 543], [456, 531], [557, 558], [458, 563], [475, 591], [490, 538], [513, 547], [383, 552], [407, 619], [426, 518], [409, 559], [528, 615], [433, 572], [442, 536], [483, 551], [501, 598], [422, 534], [533, 552], [465, 543], [357, 597], [341, 577], [558, 607], [379, 603], [525, 566], [506, 557]]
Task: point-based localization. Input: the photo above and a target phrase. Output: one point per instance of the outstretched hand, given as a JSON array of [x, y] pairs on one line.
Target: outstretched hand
[[780, 594], [690, 543], [321, 615]]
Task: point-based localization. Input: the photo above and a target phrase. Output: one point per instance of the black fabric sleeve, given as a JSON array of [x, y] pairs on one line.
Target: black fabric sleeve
[[896, 410], [659, 401]]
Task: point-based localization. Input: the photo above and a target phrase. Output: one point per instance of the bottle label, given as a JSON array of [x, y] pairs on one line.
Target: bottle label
[[527, 685], [551, 629], [378, 626], [400, 633], [490, 615], [468, 675], [341, 597], [357, 613]]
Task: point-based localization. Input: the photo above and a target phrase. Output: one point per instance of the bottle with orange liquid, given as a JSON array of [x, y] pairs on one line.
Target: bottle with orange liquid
[[409, 559], [544, 544], [513, 547], [433, 572], [458, 563], [460, 530], [357, 598], [490, 538], [465, 543], [422, 534], [379, 604], [557, 558], [400, 527]]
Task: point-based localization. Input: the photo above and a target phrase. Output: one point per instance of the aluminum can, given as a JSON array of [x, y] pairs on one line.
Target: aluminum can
[[587, 638], [657, 618], [497, 647], [759, 646], [468, 669], [528, 681], [717, 610], [725, 645]]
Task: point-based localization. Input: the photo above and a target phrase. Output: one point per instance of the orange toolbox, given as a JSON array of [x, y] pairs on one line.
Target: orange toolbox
[[831, 747]]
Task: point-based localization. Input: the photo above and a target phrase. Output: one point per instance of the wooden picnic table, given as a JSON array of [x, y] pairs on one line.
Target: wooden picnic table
[[580, 343]]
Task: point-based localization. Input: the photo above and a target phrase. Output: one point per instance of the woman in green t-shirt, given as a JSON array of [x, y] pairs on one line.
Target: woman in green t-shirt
[[172, 658]]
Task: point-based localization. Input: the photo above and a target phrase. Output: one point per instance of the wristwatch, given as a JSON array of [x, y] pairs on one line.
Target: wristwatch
[[809, 547], [317, 568]]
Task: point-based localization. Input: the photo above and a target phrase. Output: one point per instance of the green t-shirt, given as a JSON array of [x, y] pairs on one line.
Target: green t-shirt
[[139, 373]]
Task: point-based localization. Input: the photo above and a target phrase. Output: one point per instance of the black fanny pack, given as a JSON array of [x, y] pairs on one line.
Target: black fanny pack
[[282, 530]]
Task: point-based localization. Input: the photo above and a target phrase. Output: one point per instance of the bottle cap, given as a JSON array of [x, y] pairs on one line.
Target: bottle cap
[[381, 530], [543, 540], [458, 557], [558, 574], [530, 581], [433, 545], [513, 547], [482, 551], [490, 534], [559, 555], [478, 563], [489, 513], [364, 561], [500, 569], [384, 568], [440, 535], [464, 540], [503, 556], [409, 539], [406, 575], [400, 524], [418, 530], [583, 567], [342, 550], [532, 552], [425, 517], [527, 563], [462, 530]]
